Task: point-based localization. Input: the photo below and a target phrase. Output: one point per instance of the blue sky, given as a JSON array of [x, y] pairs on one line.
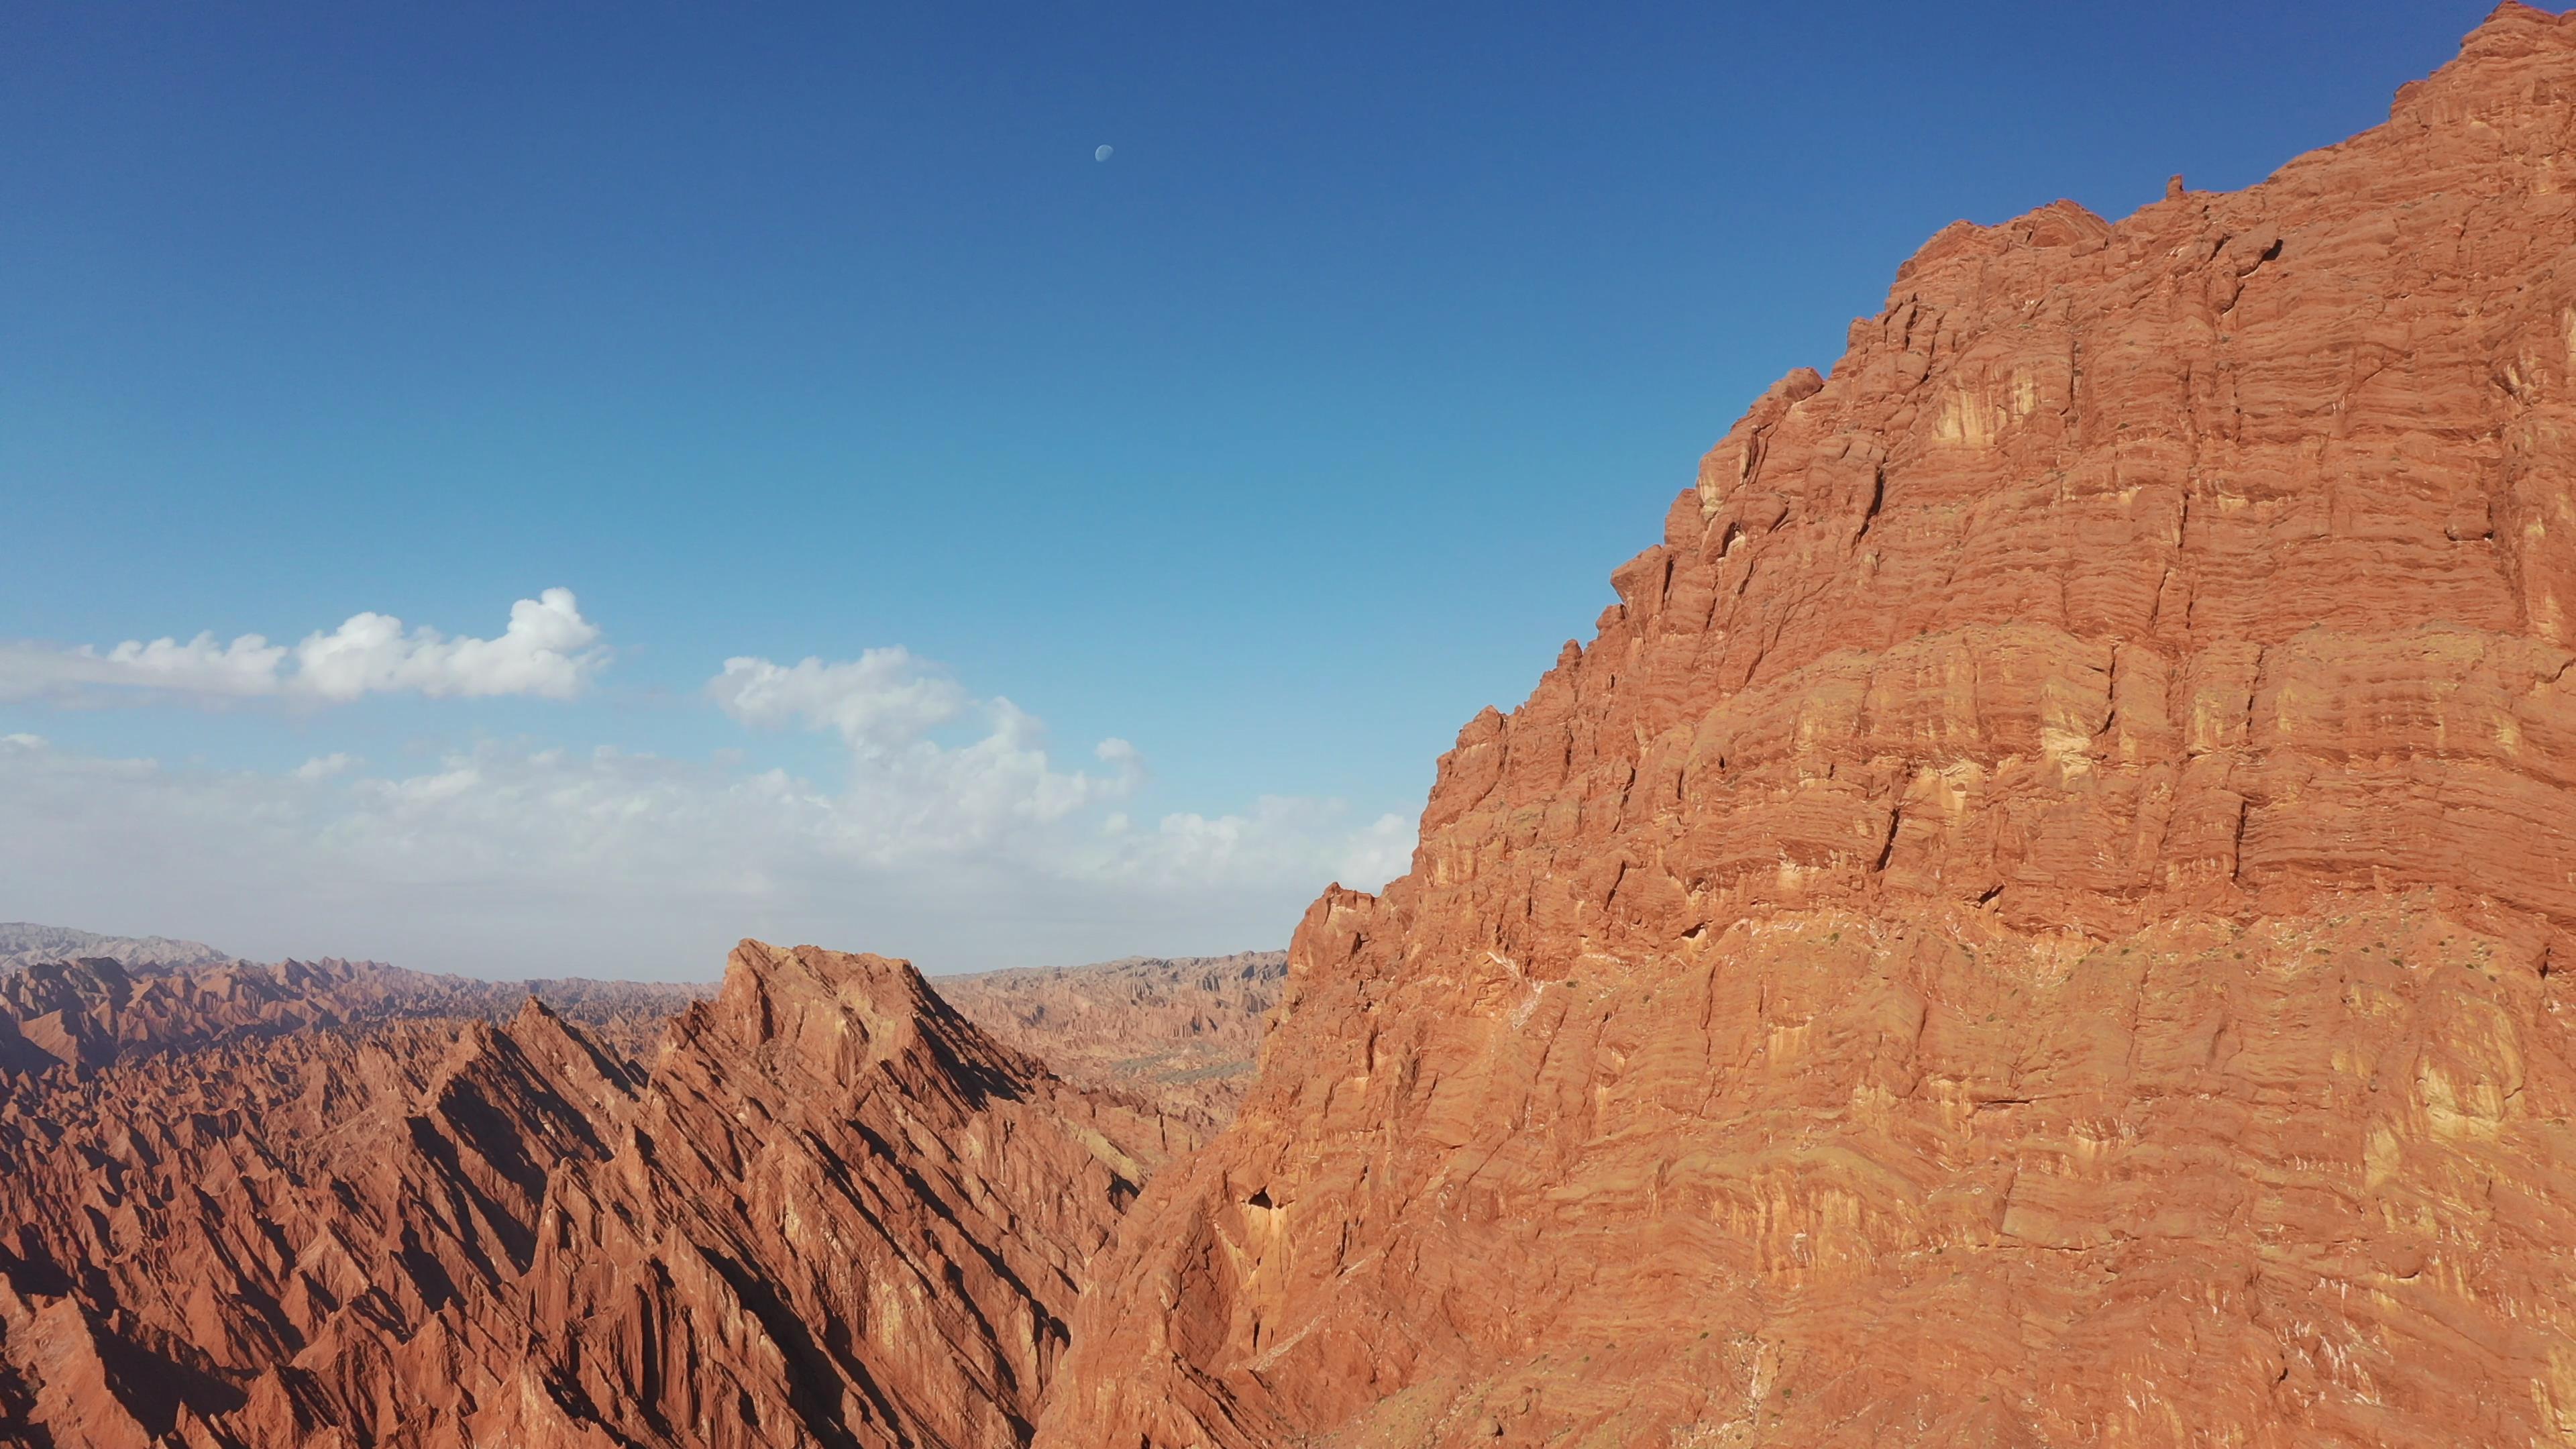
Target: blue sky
[[1273, 447]]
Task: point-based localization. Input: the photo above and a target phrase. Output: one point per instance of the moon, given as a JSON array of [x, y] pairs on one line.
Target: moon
[[1103, 153]]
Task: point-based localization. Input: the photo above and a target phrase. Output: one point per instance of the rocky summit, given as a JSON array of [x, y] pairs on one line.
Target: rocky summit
[[2043, 916], [831, 1211]]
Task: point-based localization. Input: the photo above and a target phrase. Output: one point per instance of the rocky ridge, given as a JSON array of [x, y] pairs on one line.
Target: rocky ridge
[[201, 1235], [87, 1014], [831, 1212], [25, 943], [839, 1214], [1182, 1031], [2041, 916]]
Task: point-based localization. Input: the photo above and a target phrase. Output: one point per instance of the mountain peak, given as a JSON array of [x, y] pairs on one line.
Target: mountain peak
[[2039, 827]]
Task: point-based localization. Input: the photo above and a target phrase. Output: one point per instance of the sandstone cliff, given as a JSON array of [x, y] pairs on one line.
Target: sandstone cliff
[[2042, 916]]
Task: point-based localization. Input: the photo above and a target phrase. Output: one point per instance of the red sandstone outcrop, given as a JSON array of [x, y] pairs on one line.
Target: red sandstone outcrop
[[2043, 915], [839, 1214], [87, 1014], [834, 1212], [194, 1233], [1181, 1031]]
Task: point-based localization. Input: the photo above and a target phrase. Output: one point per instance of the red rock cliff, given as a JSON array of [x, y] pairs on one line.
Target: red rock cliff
[[2042, 916]]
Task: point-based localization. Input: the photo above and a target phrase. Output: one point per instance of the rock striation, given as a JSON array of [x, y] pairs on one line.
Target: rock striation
[[1182, 1031], [246, 1232], [831, 1212], [2043, 914], [838, 1214]]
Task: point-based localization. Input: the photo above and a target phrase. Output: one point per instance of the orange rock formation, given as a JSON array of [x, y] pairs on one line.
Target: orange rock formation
[[2043, 915], [1181, 1031], [248, 1233], [838, 1213]]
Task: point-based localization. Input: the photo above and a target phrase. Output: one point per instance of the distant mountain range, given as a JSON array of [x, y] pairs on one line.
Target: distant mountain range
[[1182, 1031], [25, 943]]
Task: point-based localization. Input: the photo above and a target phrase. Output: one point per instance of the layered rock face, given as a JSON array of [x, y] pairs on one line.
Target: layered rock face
[[833, 1212], [839, 1214], [204, 1246], [1182, 1031], [2043, 915]]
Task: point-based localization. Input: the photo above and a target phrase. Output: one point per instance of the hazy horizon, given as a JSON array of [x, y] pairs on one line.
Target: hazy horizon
[[11, 945]]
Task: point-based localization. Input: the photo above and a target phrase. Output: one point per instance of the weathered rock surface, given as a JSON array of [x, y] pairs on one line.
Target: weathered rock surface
[[839, 1214], [2043, 916], [199, 1234], [1181, 1031], [833, 1212]]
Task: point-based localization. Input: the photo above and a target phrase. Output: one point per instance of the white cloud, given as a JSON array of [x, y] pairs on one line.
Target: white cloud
[[909, 791], [1288, 835], [248, 665], [882, 699], [548, 650]]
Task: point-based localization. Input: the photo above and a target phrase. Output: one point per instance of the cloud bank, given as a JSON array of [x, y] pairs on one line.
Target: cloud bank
[[947, 830], [915, 793], [548, 650], [882, 699]]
